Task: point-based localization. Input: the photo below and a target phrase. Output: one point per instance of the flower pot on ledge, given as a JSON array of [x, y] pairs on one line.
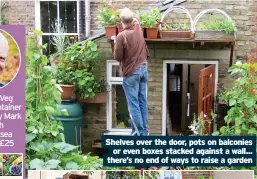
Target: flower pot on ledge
[[98, 99], [67, 91], [152, 33], [110, 31]]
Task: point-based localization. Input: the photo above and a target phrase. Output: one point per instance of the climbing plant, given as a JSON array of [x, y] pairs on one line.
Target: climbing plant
[[45, 143]]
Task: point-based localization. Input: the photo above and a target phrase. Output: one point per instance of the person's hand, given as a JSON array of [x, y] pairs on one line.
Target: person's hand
[[113, 38]]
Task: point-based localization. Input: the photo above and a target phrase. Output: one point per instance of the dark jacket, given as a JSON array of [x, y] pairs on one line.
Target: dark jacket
[[1, 85], [130, 49]]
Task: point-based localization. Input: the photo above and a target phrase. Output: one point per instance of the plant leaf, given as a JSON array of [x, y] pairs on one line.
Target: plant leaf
[[72, 166], [64, 147]]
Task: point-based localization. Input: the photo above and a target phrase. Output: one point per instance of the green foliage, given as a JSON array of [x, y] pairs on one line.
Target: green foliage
[[242, 101], [241, 98], [108, 17], [87, 86], [45, 143], [3, 19], [64, 75], [180, 26], [81, 67], [225, 25], [122, 174], [151, 174], [82, 55], [150, 18]]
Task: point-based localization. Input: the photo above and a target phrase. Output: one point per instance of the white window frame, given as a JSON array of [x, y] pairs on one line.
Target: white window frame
[[38, 18], [113, 81]]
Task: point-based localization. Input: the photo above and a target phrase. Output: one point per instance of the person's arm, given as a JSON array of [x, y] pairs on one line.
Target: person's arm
[[118, 48]]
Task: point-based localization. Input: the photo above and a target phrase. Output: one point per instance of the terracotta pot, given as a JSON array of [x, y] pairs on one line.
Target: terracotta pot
[[119, 27], [110, 31], [67, 91], [99, 98], [152, 33], [170, 34]]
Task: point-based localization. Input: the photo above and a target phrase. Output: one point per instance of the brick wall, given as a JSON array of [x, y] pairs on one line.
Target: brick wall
[[21, 12]]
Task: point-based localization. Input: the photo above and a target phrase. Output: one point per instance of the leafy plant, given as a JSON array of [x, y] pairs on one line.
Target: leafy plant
[[82, 55], [242, 100], [241, 119], [150, 18], [64, 75], [227, 26], [108, 17], [175, 27], [45, 142]]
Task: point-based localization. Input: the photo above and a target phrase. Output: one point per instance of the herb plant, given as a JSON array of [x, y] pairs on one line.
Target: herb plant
[[150, 18], [227, 26], [175, 27], [108, 17], [64, 75]]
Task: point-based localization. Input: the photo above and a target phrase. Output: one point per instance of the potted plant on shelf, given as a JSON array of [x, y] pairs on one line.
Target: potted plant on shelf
[[109, 19], [65, 78], [215, 29], [175, 31], [150, 21]]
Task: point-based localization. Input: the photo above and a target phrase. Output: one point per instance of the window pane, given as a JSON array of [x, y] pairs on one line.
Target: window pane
[[120, 115], [115, 71], [68, 15], [48, 11]]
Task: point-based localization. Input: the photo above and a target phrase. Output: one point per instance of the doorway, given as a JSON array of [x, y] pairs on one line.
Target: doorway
[[181, 93]]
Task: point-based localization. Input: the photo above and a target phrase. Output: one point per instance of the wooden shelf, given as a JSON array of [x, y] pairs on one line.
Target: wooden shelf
[[189, 40]]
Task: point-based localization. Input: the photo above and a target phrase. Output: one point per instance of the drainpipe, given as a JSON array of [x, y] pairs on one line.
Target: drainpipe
[[87, 18]]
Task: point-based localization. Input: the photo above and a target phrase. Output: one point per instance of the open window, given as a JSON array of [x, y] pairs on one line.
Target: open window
[[117, 109]]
